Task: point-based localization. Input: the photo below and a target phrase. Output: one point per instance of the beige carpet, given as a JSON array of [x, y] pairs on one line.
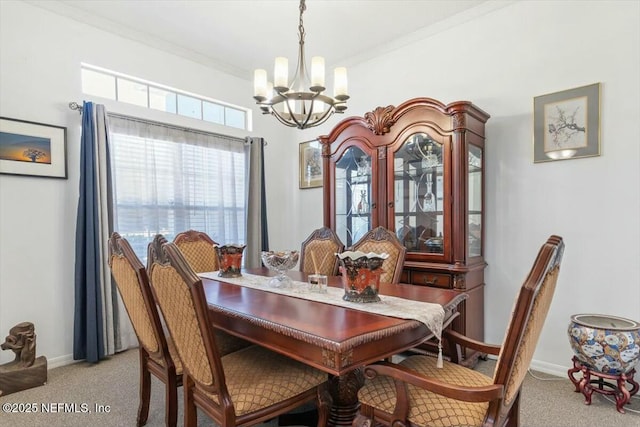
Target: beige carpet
[[113, 383]]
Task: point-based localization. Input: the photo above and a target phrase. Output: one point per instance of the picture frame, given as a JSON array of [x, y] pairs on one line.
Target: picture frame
[[310, 164], [567, 124], [32, 149]]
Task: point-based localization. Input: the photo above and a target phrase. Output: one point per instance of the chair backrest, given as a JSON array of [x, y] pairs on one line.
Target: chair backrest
[[180, 296], [527, 318], [133, 284], [381, 240], [198, 249], [317, 254]]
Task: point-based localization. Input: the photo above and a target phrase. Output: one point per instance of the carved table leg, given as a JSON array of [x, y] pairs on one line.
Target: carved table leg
[[344, 391]]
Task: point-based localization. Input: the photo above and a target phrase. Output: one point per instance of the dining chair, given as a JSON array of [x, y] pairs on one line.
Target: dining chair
[[199, 251], [242, 388], [317, 254], [417, 393], [157, 352], [381, 240]]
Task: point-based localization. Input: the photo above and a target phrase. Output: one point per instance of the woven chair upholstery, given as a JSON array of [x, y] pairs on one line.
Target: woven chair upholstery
[[281, 378], [245, 387], [464, 397], [321, 247], [157, 352], [199, 251], [381, 240], [426, 408]]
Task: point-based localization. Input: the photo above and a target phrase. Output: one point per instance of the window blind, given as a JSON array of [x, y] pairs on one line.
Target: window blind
[[168, 179]]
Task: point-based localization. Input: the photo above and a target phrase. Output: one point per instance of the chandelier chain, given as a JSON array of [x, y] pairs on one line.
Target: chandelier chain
[[303, 7]]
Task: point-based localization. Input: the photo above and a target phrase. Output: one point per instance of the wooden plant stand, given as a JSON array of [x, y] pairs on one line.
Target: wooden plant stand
[[614, 387]]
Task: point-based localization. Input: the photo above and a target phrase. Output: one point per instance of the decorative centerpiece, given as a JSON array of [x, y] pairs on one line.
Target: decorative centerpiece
[[280, 262], [606, 344], [361, 275], [229, 259]]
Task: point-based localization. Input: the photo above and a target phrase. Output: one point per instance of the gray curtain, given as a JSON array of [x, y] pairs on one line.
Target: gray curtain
[[257, 231]]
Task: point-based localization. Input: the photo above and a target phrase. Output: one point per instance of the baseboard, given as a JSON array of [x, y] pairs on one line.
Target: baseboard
[[549, 368], [65, 360], [544, 367]]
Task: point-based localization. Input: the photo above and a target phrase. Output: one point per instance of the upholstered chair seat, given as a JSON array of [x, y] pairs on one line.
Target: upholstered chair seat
[[416, 392], [243, 367], [427, 408]]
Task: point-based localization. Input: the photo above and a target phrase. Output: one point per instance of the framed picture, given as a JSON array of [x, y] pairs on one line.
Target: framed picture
[[566, 124], [32, 149], [310, 164]]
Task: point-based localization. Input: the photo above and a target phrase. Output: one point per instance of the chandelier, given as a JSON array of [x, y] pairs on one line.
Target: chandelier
[[301, 103]]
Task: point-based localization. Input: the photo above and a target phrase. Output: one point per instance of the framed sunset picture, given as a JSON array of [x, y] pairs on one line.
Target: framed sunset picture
[[32, 149]]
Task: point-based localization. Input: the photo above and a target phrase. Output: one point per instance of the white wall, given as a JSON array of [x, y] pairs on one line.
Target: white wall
[[500, 61], [39, 76]]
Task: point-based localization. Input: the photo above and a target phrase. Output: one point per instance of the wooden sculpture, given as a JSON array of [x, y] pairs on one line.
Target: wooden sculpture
[[26, 371]]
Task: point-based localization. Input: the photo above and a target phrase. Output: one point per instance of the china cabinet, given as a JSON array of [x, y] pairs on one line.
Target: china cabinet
[[416, 169]]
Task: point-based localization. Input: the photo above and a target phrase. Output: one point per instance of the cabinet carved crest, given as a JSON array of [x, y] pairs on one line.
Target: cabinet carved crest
[[379, 121]]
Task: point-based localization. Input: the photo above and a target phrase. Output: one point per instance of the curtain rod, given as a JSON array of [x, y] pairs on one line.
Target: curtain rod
[[76, 106]]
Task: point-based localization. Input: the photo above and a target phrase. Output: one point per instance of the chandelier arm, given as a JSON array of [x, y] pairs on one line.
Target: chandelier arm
[[292, 113], [282, 120]]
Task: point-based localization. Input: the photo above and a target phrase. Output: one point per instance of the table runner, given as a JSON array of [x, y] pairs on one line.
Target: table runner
[[432, 315]]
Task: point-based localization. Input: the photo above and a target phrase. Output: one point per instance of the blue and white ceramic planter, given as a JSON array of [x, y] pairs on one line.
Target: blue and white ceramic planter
[[606, 344]]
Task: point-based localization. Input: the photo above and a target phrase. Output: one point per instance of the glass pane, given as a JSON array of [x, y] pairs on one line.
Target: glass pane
[[132, 92], [98, 84], [163, 100], [189, 106], [235, 118], [419, 193], [353, 195], [474, 236], [213, 113]]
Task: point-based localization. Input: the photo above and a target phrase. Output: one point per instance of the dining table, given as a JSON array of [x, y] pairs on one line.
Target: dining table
[[335, 339]]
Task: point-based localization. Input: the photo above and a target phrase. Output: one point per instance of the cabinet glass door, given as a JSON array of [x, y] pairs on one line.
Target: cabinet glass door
[[474, 233], [419, 194], [353, 195]]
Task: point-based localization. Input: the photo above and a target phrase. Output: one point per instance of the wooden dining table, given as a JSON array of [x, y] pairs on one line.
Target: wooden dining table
[[337, 340]]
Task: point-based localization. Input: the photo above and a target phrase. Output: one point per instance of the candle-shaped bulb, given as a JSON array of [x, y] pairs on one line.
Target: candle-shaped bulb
[[260, 83], [340, 84], [317, 73], [281, 73]]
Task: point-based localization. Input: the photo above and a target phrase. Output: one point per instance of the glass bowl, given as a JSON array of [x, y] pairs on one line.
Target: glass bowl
[[280, 262]]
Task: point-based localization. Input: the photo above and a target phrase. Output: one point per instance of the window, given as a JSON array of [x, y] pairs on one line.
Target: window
[[168, 179], [109, 84]]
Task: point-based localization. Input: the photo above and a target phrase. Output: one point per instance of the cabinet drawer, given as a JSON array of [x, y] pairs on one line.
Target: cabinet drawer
[[436, 280]]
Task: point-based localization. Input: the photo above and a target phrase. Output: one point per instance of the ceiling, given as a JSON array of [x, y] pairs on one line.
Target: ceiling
[[238, 36]]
